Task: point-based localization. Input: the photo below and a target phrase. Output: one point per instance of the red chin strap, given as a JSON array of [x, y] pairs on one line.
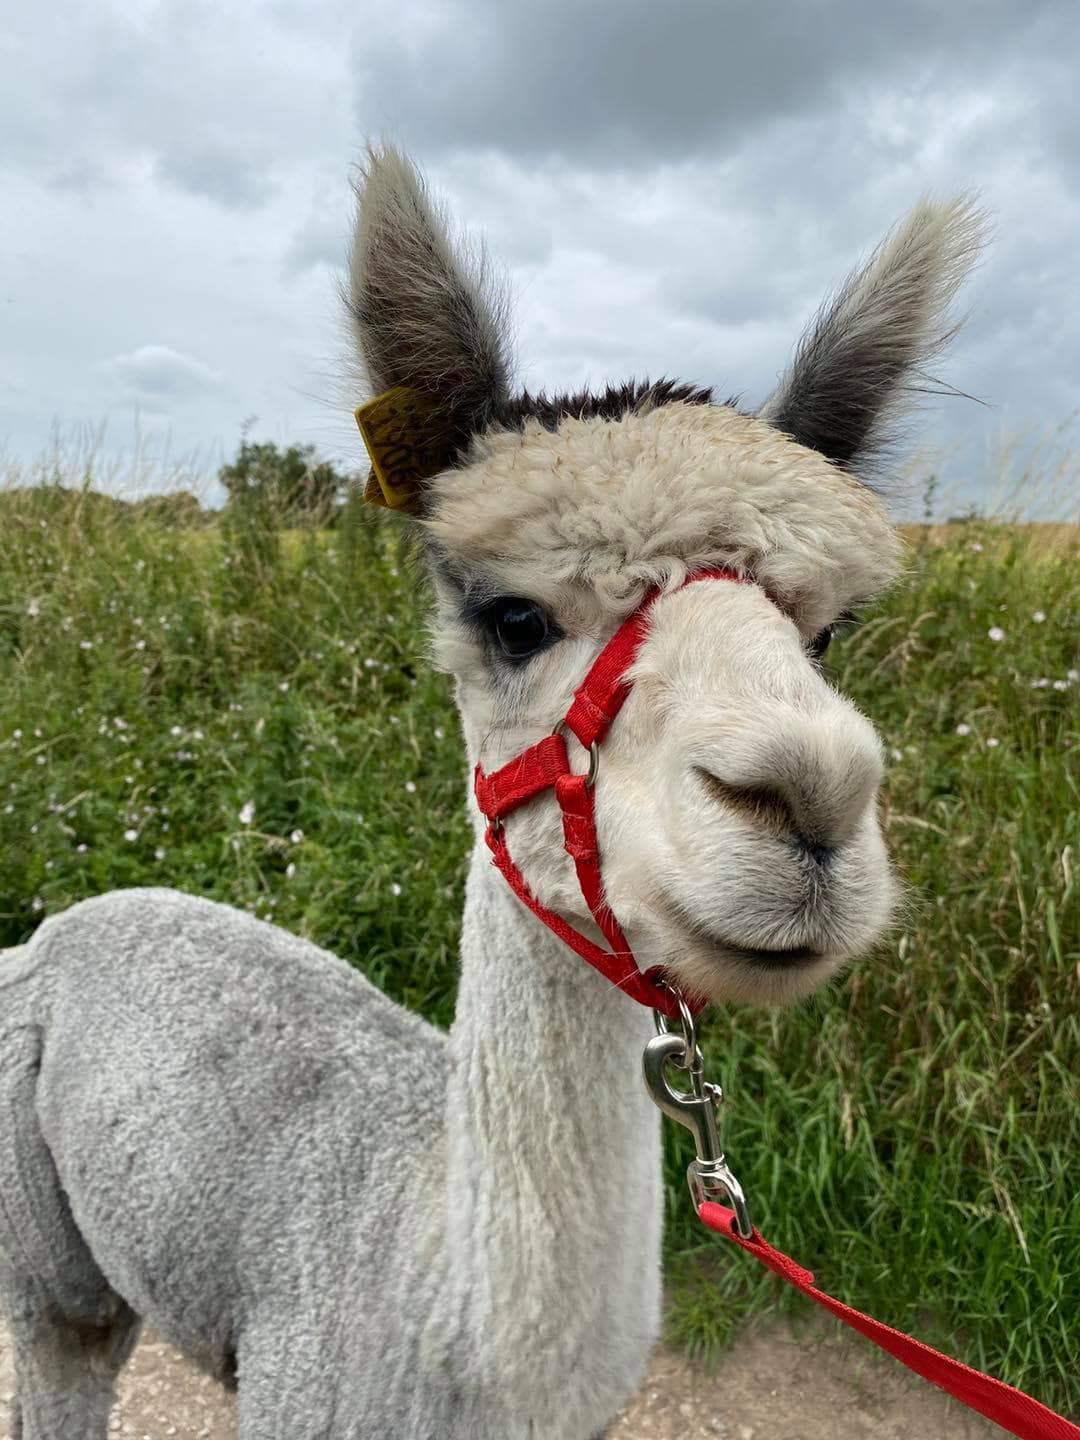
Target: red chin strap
[[546, 766]]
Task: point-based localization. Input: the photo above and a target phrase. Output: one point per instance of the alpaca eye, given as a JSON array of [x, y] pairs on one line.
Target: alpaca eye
[[521, 626], [820, 642]]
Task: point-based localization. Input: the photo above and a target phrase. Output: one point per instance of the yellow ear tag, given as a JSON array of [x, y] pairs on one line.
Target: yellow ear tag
[[406, 444]]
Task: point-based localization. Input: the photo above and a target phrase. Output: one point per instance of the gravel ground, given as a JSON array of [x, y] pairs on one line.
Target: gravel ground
[[769, 1387]]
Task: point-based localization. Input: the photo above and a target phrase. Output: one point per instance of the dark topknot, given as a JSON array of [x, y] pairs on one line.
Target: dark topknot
[[611, 403]]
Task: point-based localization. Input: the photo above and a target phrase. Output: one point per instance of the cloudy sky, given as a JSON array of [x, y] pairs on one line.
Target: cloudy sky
[[672, 188]]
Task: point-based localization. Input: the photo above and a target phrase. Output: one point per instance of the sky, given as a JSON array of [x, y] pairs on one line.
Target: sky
[[671, 189]]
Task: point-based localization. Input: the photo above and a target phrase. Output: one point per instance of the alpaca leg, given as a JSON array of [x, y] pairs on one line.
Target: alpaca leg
[[71, 1331], [287, 1378], [65, 1369]]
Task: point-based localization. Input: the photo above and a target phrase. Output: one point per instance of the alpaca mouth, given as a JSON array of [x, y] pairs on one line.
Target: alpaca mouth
[[764, 958], [771, 959]]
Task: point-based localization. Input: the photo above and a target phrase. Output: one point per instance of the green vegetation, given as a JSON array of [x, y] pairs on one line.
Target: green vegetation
[[291, 486], [248, 714]]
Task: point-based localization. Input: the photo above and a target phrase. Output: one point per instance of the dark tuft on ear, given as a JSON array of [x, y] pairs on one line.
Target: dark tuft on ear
[[853, 372], [426, 314]]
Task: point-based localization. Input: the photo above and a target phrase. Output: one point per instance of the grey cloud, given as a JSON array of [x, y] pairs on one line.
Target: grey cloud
[[641, 83], [157, 373], [320, 240], [236, 181]]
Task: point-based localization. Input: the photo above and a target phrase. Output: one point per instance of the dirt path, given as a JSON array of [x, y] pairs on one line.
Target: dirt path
[[770, 1387]]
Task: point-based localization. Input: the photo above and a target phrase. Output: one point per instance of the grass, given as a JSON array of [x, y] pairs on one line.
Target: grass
[[249, 716]]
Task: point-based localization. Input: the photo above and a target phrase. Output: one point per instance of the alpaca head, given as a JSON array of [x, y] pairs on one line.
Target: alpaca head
[[736, 806]]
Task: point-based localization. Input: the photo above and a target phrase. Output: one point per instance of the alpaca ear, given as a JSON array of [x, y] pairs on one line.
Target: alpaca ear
[[854, 368], [426, 316]]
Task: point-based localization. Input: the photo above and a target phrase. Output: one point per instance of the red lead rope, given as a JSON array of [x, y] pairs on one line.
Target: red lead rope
[[1010, 1408]]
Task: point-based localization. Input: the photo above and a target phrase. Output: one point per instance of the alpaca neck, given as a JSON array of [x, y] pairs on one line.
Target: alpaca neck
[[553, 1203]]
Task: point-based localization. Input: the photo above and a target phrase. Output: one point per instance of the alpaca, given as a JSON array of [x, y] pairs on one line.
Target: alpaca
[[375, 1229]]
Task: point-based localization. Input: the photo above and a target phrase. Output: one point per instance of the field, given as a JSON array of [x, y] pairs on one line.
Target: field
[[247, 714]]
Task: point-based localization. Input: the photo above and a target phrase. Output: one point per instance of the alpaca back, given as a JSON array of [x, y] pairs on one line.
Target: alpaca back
[[181, 1070]]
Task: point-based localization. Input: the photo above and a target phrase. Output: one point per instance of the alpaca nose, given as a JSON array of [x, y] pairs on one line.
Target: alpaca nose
[[807, 781]]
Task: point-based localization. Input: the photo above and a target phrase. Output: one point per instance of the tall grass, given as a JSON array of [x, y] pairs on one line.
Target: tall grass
[[248, 715]]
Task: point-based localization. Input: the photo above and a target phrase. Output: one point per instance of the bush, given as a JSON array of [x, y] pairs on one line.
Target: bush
[[290, 486]]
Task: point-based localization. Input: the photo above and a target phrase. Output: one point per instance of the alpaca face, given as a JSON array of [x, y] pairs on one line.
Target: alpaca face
[[736, 796]]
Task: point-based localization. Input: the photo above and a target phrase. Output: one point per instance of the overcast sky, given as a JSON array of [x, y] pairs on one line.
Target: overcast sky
[[672, 188]]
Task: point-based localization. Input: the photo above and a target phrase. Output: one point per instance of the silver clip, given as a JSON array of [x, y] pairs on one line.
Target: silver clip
[[708, 1174]]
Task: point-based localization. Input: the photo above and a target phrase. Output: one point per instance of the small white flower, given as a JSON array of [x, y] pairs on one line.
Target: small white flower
[[81, 849], [290, 870], [370, 664], [996, 633], [17, 734], [1072, 676], [963, 729], [395, 888], [86, 644], [119, 722], [247, 812], [196, 734], [1061, 684], [283, 686], [992, 744], [175, 730], [296, 836], [131, 835], [37, 903], [140, 644], [897, 754], [159, 852], [33, 609], [137, 620], [1039, 616], [975, 547], [410, 787], [440, 733], [140, 564], [41, 759]]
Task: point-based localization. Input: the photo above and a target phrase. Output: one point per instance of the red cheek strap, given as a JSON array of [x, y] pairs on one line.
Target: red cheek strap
[[546, 766]]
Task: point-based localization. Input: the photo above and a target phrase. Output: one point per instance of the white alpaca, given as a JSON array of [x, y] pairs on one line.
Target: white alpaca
[[378, 1229]]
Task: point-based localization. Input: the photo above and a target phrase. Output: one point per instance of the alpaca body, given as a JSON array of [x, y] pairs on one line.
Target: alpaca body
[[256, 1155]]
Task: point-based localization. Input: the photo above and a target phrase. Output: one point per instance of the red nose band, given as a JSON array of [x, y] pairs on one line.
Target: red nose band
[[546, 766]]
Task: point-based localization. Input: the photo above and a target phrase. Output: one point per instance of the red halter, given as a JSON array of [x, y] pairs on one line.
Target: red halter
[[546, 766]]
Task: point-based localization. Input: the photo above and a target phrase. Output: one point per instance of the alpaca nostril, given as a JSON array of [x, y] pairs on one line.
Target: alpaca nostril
[[763, 806], [774, 812], [808, 780]]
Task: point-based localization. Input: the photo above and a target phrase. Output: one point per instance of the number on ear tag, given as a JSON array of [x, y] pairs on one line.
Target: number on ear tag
[[407, 445]]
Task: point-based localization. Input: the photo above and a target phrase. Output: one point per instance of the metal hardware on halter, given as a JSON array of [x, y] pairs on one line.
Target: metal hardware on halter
[[708, 1174]]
